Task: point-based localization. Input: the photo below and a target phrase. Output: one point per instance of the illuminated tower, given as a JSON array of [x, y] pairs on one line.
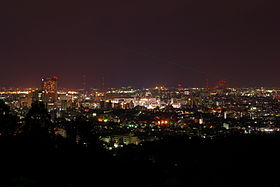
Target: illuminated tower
[[49, 88]]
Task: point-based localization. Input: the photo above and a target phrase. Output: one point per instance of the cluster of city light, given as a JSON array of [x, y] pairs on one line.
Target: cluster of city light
[[162, 122], [268, 129], [72, 92], [122, 91], [160, 88], [16, 92]]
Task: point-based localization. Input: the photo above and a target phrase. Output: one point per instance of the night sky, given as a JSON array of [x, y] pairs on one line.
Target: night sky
[[140, 43]]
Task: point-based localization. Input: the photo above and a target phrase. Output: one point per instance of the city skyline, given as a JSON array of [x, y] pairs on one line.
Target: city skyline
[[141, 44], [139, 93], [224, 84]]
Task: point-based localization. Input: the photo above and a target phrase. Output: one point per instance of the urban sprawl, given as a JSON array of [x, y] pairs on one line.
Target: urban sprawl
[[127, 115]]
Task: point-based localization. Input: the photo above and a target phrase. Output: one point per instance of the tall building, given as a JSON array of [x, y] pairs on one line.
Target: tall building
[[49, 89]]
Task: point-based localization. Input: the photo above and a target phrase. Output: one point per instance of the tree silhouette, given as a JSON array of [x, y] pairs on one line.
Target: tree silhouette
[[38, 121], [86, 135], [8, 122]]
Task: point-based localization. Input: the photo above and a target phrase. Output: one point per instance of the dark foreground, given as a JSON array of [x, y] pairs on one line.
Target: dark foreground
[[230, 161]]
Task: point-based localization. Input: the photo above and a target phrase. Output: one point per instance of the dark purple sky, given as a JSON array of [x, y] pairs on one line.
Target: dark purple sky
[[140, 43]]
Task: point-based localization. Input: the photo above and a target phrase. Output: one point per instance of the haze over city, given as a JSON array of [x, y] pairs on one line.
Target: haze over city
[[140, 43]]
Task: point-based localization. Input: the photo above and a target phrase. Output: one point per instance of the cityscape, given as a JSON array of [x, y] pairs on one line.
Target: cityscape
[[127, 115], [158, 93], [124, 122]]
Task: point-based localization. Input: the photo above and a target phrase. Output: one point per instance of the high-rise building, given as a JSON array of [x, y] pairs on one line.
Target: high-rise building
[[49, 88]]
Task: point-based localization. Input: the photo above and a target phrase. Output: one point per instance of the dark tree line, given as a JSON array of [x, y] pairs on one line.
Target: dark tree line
[[8, 121]]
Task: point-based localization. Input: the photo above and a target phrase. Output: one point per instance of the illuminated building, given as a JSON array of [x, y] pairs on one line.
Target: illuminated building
[[49, 88], [37, 96], [25, 101]]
